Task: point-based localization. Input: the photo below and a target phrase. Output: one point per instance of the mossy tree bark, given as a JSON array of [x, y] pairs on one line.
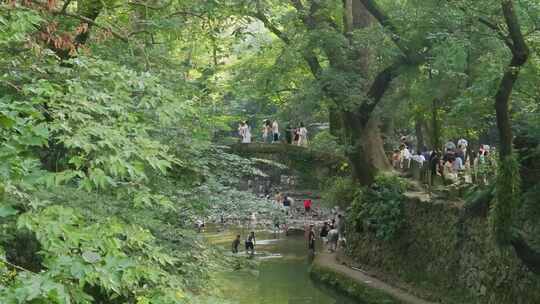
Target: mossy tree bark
[[508, 180], [508, 189]]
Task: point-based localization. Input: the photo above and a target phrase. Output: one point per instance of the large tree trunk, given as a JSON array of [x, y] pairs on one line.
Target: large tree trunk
[[362, 132], [435, 128], [335, 121], [508, 184], [520, 55], [361, 138], [419, 130], [365, 148]]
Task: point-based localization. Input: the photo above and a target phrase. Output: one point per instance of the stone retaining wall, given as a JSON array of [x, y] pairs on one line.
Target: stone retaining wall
[[449, 256]]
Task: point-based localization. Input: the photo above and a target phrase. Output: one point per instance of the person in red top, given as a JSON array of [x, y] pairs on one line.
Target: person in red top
[[307, 205]]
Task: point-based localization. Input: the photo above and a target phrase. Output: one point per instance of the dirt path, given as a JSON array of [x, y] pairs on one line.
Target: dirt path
[[329, 261]]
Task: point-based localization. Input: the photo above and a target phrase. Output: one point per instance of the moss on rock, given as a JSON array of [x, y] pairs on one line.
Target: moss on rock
[[363, 293]]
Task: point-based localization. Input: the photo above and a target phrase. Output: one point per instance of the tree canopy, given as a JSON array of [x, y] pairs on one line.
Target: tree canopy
[[115, 116]]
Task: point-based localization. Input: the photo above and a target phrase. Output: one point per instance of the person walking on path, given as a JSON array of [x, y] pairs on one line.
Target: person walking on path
[[302, 135], [333, 237], [250, 243], [235, 244], [275, 132], [324, 233], [405, 157]]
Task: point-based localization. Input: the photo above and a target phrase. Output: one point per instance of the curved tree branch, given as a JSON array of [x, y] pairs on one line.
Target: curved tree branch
[[93, 23], [308, 54], [386, 23]]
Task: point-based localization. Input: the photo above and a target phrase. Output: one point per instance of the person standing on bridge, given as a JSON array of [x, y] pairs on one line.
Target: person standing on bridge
[[302, 135], [246, 132], [267, 131], [275, 131], [241, 131], [289, 134]]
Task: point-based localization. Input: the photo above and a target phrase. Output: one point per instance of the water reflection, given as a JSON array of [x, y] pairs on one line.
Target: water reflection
[[282, 276]]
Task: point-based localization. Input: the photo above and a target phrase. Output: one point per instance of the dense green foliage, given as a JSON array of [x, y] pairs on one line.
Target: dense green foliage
[[111, 111], [104, 168], [379, 209]]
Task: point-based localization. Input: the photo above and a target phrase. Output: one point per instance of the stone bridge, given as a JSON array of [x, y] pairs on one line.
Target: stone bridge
[[304, 170]]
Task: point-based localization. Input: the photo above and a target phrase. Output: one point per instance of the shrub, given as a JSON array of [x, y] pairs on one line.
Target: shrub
[[340, 191], [379, 209], [327, 143]]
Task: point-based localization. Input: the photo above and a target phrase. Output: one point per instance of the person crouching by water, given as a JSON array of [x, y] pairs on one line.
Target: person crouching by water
[[250, 243], [235, 244]]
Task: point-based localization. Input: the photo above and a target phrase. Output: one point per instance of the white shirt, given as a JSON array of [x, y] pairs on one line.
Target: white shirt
[[458, 164], [405, 154], [419, 158], [275, 127]]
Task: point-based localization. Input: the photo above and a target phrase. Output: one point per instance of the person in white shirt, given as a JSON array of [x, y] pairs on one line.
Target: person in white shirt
[[275, 131], [241, 131], [419, 158], [458, 164], [405, 157], [302, 135], [463, 143], [244, 132]]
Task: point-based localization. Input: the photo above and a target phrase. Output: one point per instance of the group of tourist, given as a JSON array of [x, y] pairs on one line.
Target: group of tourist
[[401, 158], [450, 164], [271, 134], [332, 232], [286, 202], [270, 131], [297, 135]]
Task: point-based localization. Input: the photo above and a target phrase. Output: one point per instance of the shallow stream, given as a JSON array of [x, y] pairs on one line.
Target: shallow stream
[[281, 277]]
